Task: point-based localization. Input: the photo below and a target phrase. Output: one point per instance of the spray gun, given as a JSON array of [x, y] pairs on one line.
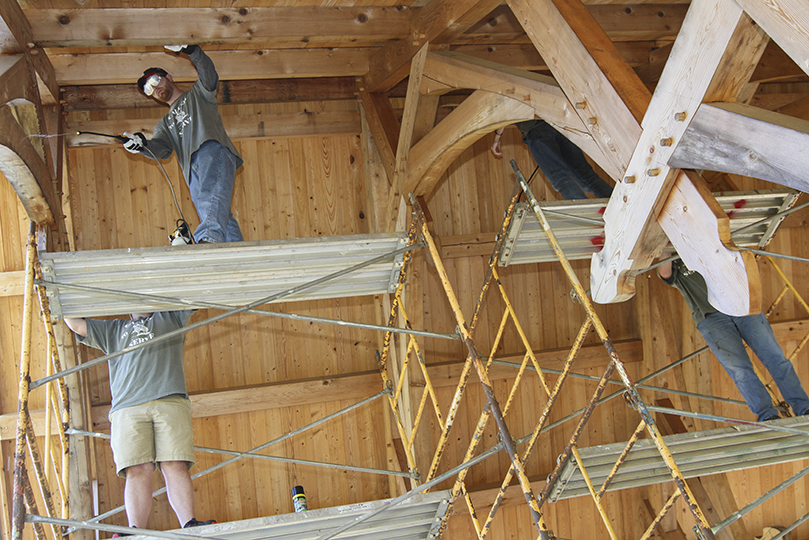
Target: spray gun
[[118, 137], [182, 234]]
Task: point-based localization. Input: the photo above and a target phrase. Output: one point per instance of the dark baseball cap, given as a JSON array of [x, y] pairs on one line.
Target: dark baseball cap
[[148, 73]]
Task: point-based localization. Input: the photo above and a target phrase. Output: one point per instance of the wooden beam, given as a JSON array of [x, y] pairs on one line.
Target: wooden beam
[[109, 68], [354, 386], [447, 70], [776, 65], [611, 98], [127, 96], [519, 55], [786, 23], [14, 22], [261, 126], [15, 80], [480, 114], [384, 127], [633, 239], [138, 27], [525, 56], [740, 139], [697, 221], [405, 139], [25, 170], [439, 22], [622, 22], [742, 55], [637, 22], [798, 108]]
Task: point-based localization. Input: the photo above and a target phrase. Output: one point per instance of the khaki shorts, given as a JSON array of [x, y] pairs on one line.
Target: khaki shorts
[[152, 432]]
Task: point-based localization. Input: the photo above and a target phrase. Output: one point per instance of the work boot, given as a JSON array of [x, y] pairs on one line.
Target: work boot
[[195, 523]]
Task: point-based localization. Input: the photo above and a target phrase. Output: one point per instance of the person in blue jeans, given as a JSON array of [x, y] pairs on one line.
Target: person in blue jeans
[[562, 162], [726, 336], [193, 129]]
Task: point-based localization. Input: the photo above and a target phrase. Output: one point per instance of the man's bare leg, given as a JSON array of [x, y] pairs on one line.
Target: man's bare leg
[[180, 489], [138, 494]]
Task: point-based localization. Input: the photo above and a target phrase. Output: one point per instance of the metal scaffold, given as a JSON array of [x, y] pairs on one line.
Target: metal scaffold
[[424, 513], [615, 465], [579, 471]]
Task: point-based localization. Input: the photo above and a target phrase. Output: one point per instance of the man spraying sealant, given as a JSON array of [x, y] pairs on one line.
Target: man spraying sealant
[[193, 129]]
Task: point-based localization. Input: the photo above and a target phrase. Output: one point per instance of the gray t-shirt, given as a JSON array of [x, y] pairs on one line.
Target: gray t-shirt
[[693, 288], [148, 373], [192, 120]]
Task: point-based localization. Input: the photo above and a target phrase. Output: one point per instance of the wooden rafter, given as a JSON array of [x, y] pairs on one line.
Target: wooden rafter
[[592, 74], [14, 22], [112, 68], [632, 236], [740, 139], [439, 22], [405, 138], [127, 96], [600, 101], [384, 127], [786, 22], [259, 25]]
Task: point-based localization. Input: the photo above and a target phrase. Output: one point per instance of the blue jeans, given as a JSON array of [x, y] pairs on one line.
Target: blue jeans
[[724, 335], [213, 172], [564, 164]]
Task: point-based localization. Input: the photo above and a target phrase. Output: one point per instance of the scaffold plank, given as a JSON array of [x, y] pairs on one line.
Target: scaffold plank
[[417, 518], [232, 274], [697, 453], [579, 225]]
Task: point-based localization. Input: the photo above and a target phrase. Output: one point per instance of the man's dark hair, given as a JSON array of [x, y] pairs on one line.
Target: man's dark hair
[[148, 73]]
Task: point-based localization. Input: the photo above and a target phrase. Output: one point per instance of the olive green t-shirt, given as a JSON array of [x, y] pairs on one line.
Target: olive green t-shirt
[[693, 288], [148, 373]]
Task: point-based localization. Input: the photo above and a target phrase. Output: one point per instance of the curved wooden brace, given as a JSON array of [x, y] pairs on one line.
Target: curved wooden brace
[[25, 170], [480, 114], [16, 81], [445, 71]]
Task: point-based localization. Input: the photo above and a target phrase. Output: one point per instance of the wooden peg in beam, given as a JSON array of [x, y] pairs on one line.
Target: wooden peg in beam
[[699, 230]]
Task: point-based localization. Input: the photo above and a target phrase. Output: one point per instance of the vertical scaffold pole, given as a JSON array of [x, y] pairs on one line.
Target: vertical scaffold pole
[[20, 474], [474, 354], [702, 525]]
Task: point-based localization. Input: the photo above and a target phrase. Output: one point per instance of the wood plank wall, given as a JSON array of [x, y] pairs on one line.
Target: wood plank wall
[[315, 186]]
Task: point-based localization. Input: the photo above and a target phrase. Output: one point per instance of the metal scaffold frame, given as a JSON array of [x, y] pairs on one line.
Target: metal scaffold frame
[[394, 387], [703, 530], [62, 526]]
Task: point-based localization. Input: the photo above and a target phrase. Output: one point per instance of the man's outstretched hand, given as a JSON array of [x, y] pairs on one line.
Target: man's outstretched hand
[[134, 143]]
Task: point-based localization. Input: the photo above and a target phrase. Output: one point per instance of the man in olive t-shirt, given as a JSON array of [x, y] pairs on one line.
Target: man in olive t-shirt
[[726, 336], [150, 413]]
